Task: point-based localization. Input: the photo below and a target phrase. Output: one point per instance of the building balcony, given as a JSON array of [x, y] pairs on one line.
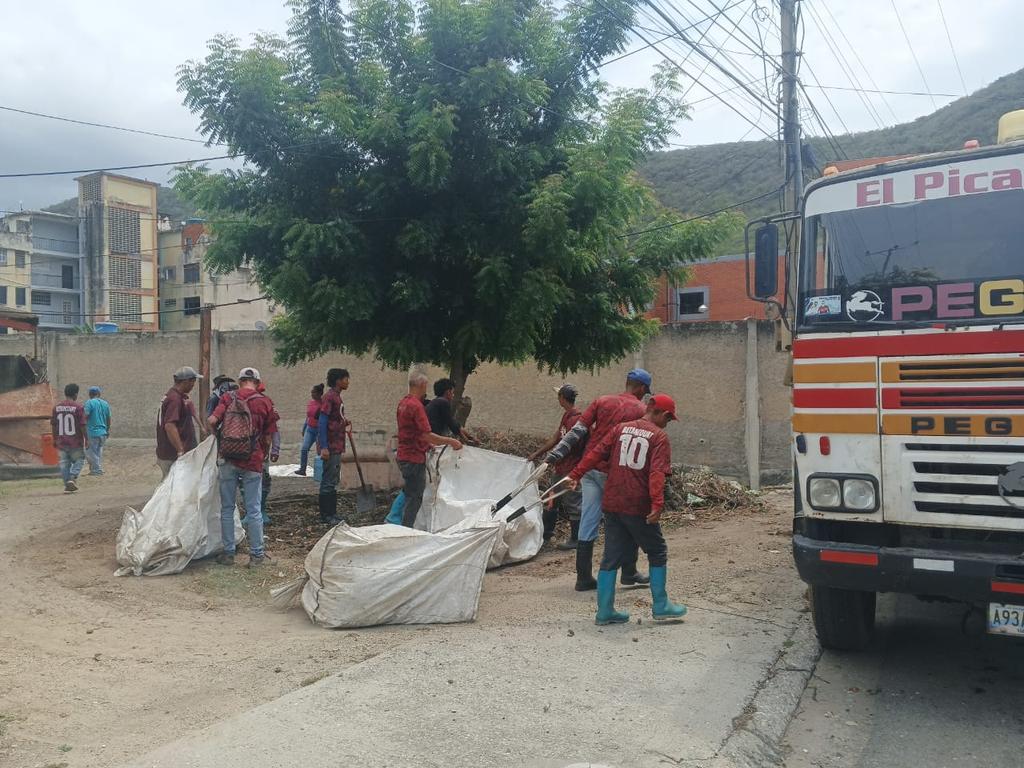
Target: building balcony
[[51, 245], [56, 282]]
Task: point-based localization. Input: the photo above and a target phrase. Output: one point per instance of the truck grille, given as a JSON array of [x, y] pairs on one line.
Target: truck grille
[[962, 370], [973, 397], [962, 479]]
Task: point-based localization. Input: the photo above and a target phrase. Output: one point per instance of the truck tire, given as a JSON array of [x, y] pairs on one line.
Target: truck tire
[[843, 618]]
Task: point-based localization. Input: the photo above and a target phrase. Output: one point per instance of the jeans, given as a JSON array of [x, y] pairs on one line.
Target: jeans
[[252, 488], [332, 475], [622, 535], [94, 453], [309, 438], [592, 486], [415, 477], [71, 460]]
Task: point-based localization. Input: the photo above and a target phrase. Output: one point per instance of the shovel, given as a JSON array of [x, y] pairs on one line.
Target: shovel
[[366, 500]]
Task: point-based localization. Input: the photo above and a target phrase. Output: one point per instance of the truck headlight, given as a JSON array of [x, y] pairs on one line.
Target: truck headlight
[[824, 492], [843, 493], [858, 494]]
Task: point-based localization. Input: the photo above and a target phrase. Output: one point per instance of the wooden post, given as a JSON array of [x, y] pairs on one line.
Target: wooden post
[[205, 344]]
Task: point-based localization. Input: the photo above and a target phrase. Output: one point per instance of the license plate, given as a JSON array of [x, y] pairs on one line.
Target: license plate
[[1006, 619]]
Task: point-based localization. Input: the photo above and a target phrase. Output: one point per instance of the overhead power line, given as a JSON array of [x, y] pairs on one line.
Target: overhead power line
[[707, 215], [109, 127], [875, 90], [952, 48], [913, 54]]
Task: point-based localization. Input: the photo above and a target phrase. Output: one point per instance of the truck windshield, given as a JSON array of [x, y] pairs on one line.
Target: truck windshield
[[954, 259]]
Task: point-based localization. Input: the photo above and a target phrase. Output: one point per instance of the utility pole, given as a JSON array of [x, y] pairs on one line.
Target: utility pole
[[791, 137], [205, 344]]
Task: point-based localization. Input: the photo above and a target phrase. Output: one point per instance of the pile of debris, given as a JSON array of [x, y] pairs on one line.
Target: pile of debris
[[507, 441], [698, 493]]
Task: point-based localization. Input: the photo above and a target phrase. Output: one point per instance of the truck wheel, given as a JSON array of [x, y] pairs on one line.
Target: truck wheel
[[843, 618]]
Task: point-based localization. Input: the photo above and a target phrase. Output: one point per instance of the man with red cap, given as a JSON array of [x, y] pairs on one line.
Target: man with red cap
[[639, 457]]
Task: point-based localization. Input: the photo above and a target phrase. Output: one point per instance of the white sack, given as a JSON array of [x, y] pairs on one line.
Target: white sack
[[387, 574], [180, 523], [463, 485]]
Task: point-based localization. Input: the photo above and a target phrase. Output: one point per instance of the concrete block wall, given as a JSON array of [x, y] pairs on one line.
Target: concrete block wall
[[702, 365]]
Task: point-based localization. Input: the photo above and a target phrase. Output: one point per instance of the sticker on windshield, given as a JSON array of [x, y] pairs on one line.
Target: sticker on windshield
[[822, 306], [864, 306]]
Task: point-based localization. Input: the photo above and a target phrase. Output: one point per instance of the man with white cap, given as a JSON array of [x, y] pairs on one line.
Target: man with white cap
[[245, 421], [600, 418], [175, 426]]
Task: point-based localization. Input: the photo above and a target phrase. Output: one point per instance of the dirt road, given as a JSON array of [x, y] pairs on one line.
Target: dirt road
[[98, 669]]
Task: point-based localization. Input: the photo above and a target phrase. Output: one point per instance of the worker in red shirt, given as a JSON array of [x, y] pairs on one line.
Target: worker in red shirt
[[243, 441], [414, 440], [600, 417], [572, 501], [639, 457], [67, 423], [331, 427]]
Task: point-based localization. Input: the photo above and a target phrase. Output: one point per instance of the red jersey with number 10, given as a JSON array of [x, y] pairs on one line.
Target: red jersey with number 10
[[639, 456], [68, 422]]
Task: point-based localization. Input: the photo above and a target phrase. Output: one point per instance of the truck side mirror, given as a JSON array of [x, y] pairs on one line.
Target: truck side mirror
[[766, 261]]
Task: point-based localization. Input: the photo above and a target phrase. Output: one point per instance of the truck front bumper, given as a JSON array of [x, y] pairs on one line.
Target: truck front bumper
[[973, 577]]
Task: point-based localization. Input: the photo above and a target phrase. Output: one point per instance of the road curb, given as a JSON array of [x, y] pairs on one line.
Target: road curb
[[758, 731]]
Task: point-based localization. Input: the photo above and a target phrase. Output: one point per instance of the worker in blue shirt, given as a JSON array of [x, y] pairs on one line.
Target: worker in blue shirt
[[97, 419]]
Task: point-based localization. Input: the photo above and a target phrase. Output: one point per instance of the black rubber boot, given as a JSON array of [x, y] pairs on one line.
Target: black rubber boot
[[329, 508], [631, 577], [550, 517], [585, 567], [573, 540]]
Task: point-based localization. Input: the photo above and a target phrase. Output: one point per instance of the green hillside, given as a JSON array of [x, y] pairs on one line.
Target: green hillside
[[167, 204], [717, 175]]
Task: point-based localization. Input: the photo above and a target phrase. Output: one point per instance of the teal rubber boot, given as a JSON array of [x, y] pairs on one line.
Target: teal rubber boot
[[606, 613], [663, 608]]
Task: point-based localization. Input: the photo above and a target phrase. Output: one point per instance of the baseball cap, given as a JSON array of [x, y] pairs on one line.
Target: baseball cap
[[568, 391], [641, 376], [94, 390], [249, 373], [185, 373], [664, 403]]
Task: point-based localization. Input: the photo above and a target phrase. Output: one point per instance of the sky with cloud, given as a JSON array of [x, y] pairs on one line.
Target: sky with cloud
[[113, 61]]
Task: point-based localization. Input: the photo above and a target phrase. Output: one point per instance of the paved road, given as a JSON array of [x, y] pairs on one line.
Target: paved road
[[929, 695]]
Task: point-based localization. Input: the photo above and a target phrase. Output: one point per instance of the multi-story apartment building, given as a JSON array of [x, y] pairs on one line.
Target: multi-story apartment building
[[41, 268], [119, 247], [186, 285]]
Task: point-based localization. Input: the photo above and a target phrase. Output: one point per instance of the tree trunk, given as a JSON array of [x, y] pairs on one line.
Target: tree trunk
[[462, 405]]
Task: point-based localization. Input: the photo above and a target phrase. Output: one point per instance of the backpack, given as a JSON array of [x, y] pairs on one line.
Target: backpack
[[237, 433]]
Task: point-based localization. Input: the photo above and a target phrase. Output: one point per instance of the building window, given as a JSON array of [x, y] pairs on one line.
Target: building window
[[22, 226], [19, 259], [89, 188], [19, 297], [191, 305], [168, 273], [70, 316], [170, 303], [41, 298], [3, 294], [125, 272], [125, 231], [3, 257], [690, 302], [190, 273], [67, 276], [125, 308]]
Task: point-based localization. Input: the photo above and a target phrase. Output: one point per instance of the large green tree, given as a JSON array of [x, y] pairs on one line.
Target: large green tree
[[443, 181]]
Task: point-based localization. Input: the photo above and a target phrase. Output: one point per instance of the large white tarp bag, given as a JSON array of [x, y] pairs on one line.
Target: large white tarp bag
[[180, 523], [463, 485], [387, 574]]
